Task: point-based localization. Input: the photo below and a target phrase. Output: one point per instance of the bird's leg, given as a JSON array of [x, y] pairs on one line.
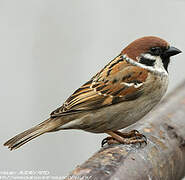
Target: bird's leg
[[131, 137]]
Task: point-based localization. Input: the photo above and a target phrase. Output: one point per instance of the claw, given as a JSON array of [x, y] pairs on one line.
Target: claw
[[141, 136], [109, 140], [104, 141], [145, 139]]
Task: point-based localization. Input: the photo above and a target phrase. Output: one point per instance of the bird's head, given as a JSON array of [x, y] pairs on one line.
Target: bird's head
[[148, 50]]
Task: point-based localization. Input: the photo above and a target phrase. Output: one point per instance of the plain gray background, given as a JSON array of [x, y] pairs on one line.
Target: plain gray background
[[48, 48]]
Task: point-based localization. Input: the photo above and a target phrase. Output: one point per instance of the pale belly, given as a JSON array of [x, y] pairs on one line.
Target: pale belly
[[120, 115]]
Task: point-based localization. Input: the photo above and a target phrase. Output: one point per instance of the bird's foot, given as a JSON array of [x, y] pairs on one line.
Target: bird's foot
[[132, 134], [131, 137]]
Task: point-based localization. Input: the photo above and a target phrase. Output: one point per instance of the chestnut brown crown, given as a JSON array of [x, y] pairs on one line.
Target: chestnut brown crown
[[143, 45]]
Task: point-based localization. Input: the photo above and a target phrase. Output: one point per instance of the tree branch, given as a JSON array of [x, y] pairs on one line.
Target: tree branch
[[162, 158]]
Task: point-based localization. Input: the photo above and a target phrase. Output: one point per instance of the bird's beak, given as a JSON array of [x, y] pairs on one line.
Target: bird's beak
[[171, 51]]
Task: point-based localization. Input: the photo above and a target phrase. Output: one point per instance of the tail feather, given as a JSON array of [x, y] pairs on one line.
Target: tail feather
[[26, 136]]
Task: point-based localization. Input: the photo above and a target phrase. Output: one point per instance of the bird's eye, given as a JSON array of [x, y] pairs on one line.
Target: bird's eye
[[156, 51]]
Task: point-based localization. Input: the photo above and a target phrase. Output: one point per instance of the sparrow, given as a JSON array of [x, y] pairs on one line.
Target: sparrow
[[124, 91]]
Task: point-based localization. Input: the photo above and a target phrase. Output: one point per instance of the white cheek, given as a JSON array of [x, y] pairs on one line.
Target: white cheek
[[158, 63], [149, 56]]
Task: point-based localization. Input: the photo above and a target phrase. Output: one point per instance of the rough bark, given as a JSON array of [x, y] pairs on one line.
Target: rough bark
[[163, 158]]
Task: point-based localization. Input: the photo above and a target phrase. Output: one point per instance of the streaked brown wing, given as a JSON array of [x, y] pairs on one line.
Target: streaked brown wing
[[118, 81]]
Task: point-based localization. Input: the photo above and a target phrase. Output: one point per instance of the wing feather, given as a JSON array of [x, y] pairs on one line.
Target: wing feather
[[117, 82]]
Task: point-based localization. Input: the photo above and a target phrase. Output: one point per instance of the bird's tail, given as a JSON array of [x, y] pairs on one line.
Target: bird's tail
[[24, 137]]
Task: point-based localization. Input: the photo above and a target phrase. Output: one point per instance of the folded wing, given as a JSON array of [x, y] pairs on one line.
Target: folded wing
[[117, 82]]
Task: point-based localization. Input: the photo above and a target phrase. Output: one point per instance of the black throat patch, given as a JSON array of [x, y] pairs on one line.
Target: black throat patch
[[166, 62]]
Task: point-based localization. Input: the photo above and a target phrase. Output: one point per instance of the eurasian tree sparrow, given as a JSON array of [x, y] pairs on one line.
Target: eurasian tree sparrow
[[119, 95]]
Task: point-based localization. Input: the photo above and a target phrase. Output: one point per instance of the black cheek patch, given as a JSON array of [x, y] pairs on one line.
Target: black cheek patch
[[148, 62]]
